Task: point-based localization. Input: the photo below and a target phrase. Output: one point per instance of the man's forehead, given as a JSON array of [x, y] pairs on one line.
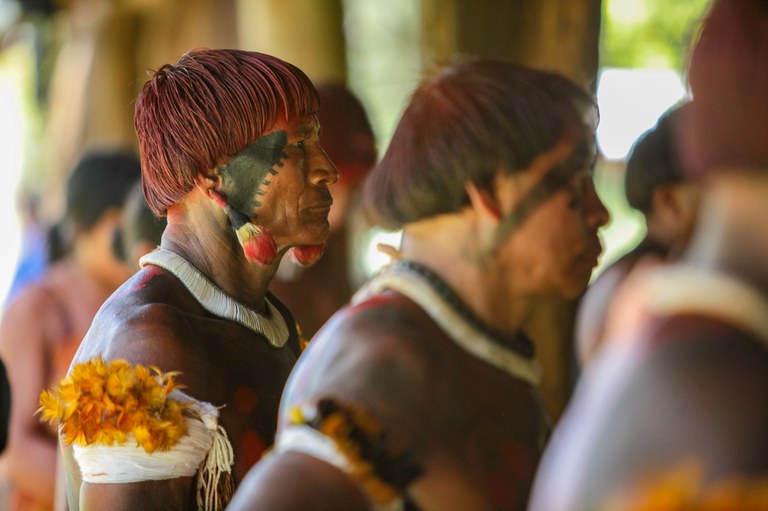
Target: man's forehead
[[584, 155], [296, 125], [570, 155]]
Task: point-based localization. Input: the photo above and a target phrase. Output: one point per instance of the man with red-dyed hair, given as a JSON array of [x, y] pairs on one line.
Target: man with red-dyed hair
[[230, 155]]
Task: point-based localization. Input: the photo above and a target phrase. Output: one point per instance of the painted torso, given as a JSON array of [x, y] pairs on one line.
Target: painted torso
[[222, 362], [473, 430]]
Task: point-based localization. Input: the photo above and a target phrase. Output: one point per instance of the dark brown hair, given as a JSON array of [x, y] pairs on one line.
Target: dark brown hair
[[464, 124], [192, 116], [653, 161]]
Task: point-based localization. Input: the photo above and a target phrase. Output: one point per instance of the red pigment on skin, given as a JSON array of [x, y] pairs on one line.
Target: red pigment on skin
[[517, 460], [245, 400], [252, 447], [504, 485], [141, 282], [503, 494]]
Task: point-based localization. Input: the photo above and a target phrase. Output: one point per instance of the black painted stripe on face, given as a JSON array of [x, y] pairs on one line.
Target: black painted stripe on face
[[244, 176]]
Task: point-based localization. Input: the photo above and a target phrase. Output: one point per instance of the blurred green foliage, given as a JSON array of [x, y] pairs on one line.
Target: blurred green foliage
[[649, 33]]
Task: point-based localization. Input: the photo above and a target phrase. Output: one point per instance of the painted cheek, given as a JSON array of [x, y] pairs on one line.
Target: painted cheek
[[247, 176]]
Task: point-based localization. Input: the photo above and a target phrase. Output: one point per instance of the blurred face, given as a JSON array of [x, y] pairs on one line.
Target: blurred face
[[281, 181], [553, 248], [100, 257]]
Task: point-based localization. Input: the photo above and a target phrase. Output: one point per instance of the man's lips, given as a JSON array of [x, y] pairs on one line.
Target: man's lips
[[320, 207], [592, 254]]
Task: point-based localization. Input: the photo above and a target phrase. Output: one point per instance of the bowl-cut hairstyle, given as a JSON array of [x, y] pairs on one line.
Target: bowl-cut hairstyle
[[464, 124], [191, 117]]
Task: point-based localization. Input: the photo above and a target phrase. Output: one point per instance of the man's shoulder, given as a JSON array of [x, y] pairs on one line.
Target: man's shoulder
[[385, 326], [387, 314], [148, 316], [361, 338], [150, 295]]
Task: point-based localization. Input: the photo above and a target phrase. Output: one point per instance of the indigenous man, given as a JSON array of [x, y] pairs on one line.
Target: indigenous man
[[230, 155], [674, 414], [422, 393]]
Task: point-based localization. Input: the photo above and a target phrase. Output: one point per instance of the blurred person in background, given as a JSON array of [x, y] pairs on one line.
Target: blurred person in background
[[313, 294], [33, 253], [140, 231], [655, 185], [423, 392], [673, 414], [43, 325]]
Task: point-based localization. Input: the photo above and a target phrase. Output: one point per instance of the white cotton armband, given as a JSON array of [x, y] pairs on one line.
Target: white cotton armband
[[307, 440], [129, 463]]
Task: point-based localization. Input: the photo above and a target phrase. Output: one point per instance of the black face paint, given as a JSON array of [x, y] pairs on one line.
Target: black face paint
[[246, 175], [568, 175], [582, 164]]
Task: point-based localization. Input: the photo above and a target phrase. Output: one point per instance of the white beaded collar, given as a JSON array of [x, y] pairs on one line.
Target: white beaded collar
[[419, 289], [271, 325]]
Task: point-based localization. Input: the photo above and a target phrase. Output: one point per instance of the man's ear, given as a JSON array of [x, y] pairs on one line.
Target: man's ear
[[666, 202], [483, 203], [207, 183]]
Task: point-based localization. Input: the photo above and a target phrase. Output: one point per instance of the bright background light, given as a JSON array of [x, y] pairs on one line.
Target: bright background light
[[631, 101], [12, 149]]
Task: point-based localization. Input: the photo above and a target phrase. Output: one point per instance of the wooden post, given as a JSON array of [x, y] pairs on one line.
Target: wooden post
[[306, 33], [557, 35]]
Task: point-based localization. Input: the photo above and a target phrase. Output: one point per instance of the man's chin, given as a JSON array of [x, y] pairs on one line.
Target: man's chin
[[574, 289]]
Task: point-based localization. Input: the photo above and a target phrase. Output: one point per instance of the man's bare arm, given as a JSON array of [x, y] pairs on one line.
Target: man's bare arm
[[293, 481]]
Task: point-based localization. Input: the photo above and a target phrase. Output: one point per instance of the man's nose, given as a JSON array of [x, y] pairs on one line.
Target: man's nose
[[594, 209], [323, 172]]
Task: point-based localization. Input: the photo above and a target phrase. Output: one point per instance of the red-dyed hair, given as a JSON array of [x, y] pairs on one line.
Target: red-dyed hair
[[192, 116]]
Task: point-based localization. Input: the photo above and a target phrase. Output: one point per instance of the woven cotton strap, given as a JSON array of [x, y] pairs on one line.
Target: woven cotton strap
[[468, 337], [214, 482], [307, 440], [680, 290], [205, 450]]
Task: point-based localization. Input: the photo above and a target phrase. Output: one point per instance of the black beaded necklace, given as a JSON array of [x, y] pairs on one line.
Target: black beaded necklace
[[520, 343]]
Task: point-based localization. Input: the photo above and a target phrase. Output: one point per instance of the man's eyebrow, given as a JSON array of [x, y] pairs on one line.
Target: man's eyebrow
[[307, 128], [584, 156], [556, 179]]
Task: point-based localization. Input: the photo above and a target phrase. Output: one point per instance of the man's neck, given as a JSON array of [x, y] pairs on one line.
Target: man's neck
[[447, 245], [202, 235]]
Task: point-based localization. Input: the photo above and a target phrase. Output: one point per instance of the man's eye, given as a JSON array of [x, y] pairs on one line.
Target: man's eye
[[577, 187]]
